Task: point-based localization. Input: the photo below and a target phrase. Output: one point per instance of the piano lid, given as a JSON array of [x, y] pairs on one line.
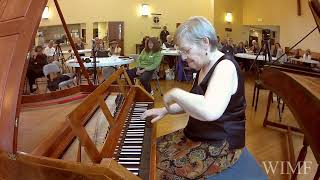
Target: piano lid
[[315, 9]]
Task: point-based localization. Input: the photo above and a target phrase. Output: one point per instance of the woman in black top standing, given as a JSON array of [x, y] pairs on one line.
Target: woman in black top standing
[[214, 137]]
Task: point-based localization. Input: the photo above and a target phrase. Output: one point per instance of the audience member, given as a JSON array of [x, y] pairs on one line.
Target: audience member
[[163, 34], [114, 48], [255, 47], [219, 45], [228, 48], [79, 45], [241, 48], [169, 43], [49, 51], [307, 55], [278, 52], [35, 68], [143, 43], [148, 62]]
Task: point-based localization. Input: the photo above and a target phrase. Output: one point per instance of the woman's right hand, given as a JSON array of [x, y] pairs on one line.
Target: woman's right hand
[[157, 113]]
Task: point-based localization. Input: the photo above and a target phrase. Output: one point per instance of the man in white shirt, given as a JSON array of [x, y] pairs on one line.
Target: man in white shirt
[[49, 50]]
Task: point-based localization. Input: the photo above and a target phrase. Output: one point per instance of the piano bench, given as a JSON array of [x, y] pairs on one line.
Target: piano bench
[[246, 168]]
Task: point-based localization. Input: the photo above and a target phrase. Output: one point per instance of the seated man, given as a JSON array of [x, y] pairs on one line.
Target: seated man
[[307, 55], [114, 48], [148, 62], [35, 68], [49, 51], [169, 43], [170, 60], [255, 47]]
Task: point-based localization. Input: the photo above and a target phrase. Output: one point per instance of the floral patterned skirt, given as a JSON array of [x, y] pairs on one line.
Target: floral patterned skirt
[[181, 158]]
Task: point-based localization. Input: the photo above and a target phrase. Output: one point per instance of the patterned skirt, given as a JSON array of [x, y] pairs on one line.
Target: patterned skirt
[[181, 158]]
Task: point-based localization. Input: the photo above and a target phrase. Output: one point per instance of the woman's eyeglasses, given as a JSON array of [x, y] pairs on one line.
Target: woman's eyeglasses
[[184, 53]]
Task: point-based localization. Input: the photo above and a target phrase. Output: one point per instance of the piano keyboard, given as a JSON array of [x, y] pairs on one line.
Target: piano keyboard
[[133, 148]]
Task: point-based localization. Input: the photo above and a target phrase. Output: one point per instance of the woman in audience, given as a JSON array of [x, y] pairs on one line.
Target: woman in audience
[[228, 48], [307, 55], [143, 43], [275, 49], [35, 68], [240, 48], [278, 52], [148, 62], [214, 137], [114, 48]]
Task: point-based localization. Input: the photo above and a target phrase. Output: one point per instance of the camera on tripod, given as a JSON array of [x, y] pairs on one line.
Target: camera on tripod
[[266, 34], [59, 41]]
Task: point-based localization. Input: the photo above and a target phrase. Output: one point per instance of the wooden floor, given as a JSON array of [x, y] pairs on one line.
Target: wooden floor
[[266, 144]]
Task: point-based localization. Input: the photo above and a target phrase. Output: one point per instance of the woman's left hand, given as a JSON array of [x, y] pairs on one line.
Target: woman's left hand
[[168, 98]]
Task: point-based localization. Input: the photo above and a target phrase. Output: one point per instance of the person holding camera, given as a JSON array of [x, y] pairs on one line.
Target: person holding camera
[[148, 62]]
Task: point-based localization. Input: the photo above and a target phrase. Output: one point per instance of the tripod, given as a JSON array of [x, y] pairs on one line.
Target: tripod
[[265, 49], [94, 53], [59, 54]]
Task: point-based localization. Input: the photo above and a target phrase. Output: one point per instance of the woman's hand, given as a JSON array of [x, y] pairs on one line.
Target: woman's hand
[[168, 98], [157, 113], [140, 72]]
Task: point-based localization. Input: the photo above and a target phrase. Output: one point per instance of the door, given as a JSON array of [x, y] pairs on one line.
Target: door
[[116, 32]]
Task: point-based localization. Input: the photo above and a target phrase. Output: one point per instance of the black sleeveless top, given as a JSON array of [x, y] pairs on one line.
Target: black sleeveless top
[[231, 125]]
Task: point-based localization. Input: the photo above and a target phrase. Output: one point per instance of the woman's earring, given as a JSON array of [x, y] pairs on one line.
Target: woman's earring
[[206, 53]]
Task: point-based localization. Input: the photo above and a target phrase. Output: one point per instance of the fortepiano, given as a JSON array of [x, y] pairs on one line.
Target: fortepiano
[[294, 68], [300, 91], [126, 150]]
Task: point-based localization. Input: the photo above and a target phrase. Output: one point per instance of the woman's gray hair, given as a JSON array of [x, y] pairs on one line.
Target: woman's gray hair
[[196, 29]]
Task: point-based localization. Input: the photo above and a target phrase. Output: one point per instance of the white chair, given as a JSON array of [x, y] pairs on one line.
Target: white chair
[[54, 68]]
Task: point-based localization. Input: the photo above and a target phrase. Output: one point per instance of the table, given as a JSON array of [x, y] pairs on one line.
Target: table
[[246, 60], [100, 62], [304, 60], [81, 51], [170, 52]]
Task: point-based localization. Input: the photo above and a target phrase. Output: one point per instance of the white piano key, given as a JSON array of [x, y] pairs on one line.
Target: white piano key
[[134, 135], [133, 169], [135, 173], [129, 159], [135, 130], [128, 147], [131, 163], [132, 142], [138, 125], [131, 150], [130, 153], [133, 139]]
